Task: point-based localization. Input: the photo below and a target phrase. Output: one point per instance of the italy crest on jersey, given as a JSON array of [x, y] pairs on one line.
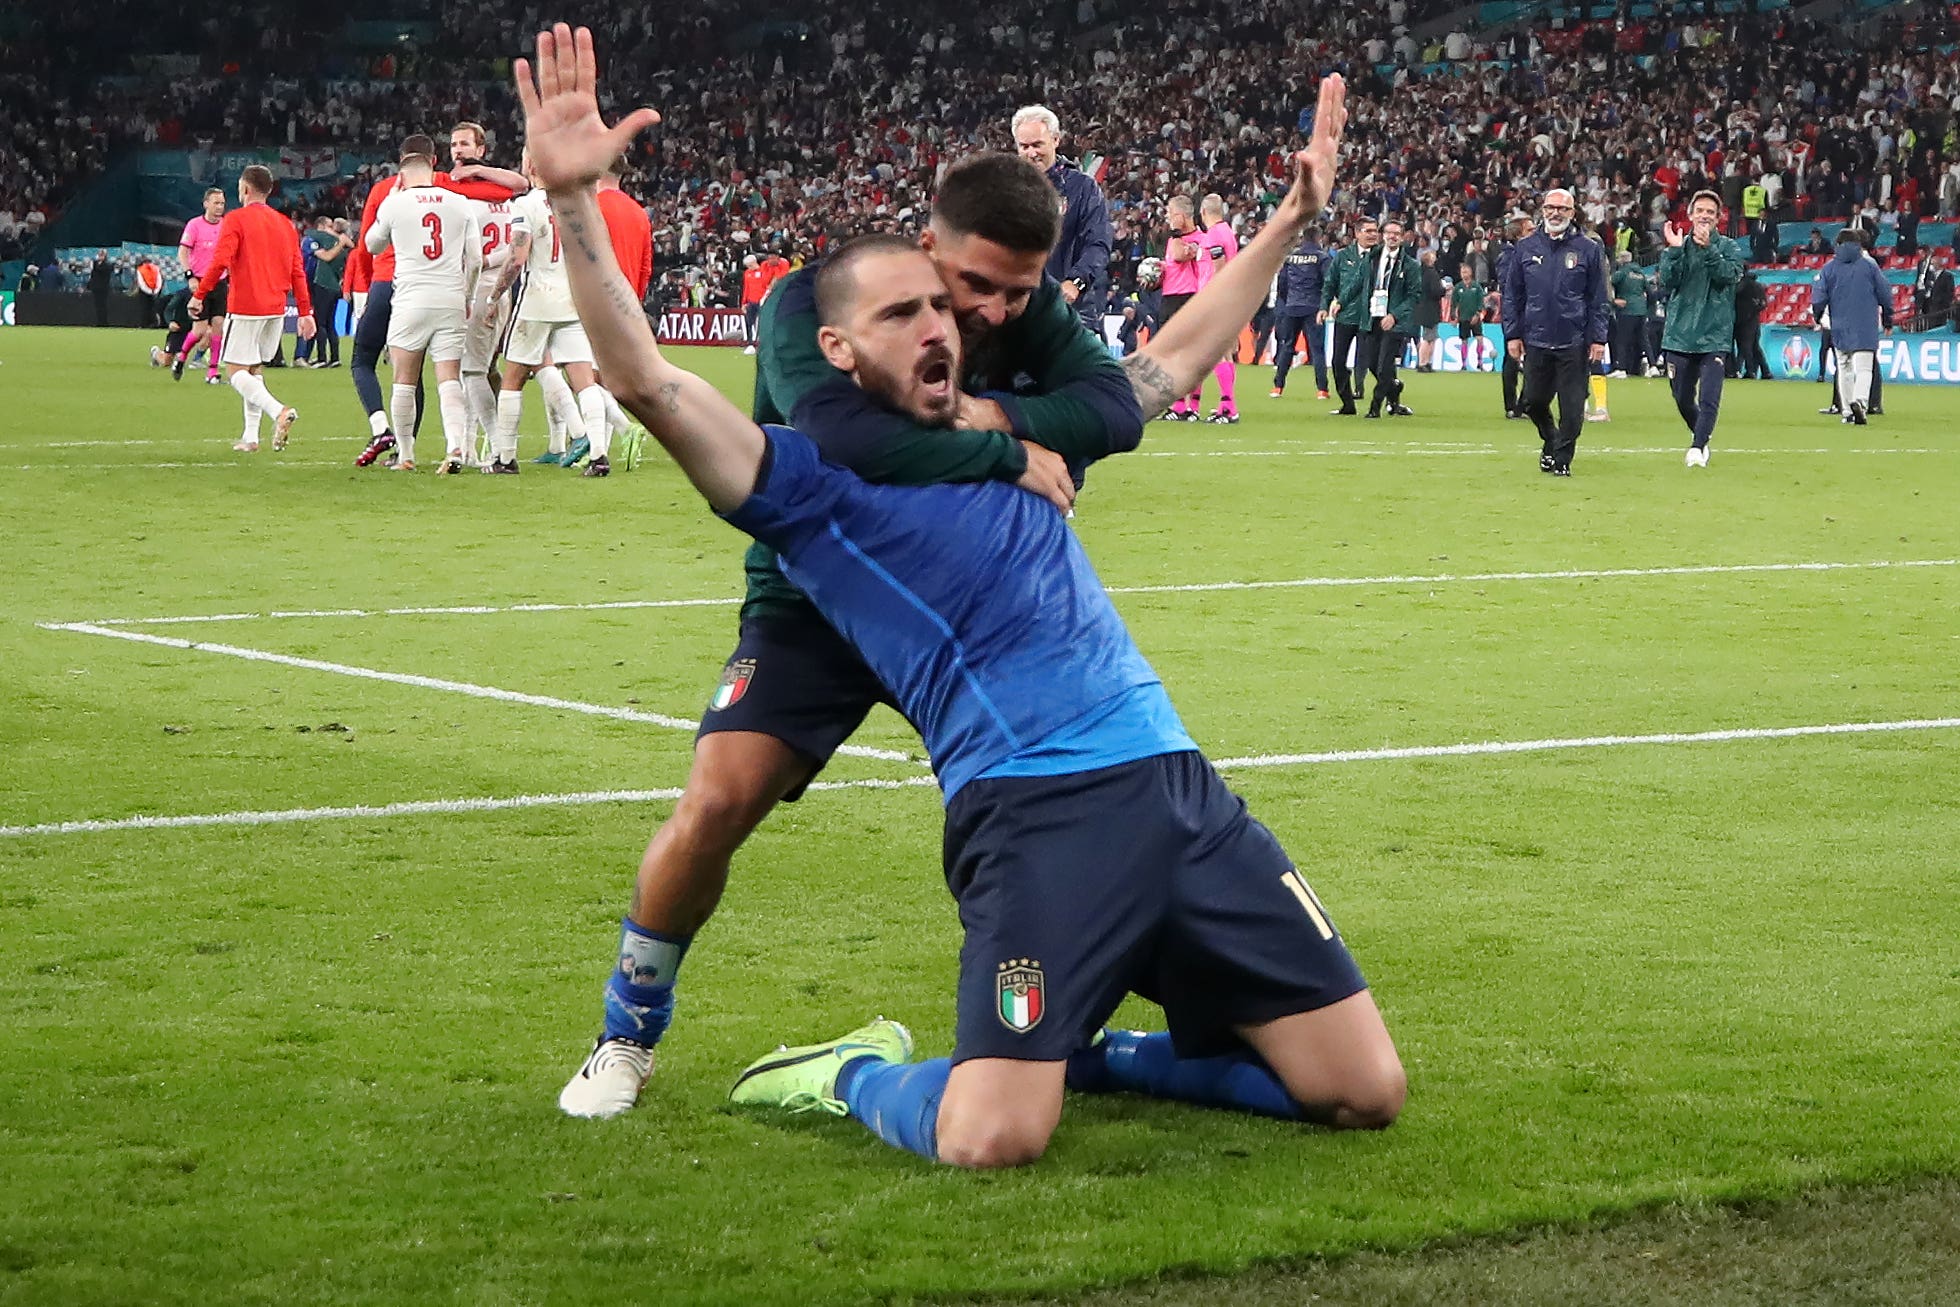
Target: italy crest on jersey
[[1019, 986], [1571, 260], [735, 680]]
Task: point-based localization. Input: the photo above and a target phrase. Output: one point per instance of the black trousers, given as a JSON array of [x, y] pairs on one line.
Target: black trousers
[[1556, 374], [1697, 383], [1388, 347], [1289, 328], [1348, 337], [1630, 344], [1512, 371], [1749, 358], [326, 339]]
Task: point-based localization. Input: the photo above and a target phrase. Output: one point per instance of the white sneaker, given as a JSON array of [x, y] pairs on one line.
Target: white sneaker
[[610, 1081], [1599, 415], [1697, 456], [748, 349], [1618, 374], [156, 357]]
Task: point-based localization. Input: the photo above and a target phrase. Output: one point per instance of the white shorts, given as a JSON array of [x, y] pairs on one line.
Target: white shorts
[[564, 341], [436, 331], [488, 322], [250, 342]]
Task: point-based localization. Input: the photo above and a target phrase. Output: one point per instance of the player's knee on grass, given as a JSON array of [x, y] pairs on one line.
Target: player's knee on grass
[[1338, 1063], [999, 1113]]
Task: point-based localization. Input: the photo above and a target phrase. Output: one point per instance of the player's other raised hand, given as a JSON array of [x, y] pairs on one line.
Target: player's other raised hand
[[569, 143]]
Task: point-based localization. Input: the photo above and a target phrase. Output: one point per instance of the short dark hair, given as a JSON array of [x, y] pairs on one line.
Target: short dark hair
[[218, 191], [836, 284], [418, 144], [258, 177], [1001, 198]]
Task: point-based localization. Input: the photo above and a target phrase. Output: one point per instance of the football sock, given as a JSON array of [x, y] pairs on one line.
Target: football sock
[[510, 407], [1195, 401], [366, 385], [455, 415], [378, 422], [592, 411], [616, 419], [1140, 1063], [640, 991], [560, 405], [252, 415], [897, 1101], [401, 405], [1227, 373], [252, 387], [483, 403]]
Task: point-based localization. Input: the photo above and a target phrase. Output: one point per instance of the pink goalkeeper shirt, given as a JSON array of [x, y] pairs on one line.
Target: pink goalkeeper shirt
[[202, 238]]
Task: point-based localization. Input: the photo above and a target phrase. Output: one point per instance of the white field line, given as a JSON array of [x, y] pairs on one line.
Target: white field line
[[284, 816], [1485, 747], [1519, 451], [426, 682], [241, 461], [1584, 742], [1299, 583]]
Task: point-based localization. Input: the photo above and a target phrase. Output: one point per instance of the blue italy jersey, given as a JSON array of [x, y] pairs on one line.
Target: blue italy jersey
[[976, 606]]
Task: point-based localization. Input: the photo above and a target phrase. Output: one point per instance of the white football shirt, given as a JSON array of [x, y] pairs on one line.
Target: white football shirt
[[435, 236], [547, 290], [493, 219]]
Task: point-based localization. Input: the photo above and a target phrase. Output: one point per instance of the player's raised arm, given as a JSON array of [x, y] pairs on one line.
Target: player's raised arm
[[1187, 348], [570, 146]]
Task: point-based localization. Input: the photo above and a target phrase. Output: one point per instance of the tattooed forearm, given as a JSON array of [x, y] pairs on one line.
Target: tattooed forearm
[[581, 239], [1153, 386]]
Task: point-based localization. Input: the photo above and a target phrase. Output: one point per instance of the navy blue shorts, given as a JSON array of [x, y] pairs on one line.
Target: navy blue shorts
[[794, 678], [1149, 878], [371, 332]]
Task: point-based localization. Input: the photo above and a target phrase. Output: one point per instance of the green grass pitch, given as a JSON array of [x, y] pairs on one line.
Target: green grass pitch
[[316, 1060]]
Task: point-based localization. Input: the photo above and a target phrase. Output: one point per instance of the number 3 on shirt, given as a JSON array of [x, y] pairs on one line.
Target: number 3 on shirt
[[433, 223]]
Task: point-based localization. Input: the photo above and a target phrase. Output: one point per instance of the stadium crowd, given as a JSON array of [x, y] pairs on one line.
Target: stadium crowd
[[781, 133]]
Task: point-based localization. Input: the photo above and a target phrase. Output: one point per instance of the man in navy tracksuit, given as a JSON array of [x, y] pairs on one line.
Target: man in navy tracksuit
[[1556, 319], [1299, 295], [1080, 259]]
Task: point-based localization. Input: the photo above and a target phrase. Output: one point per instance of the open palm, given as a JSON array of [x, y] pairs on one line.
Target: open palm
[[1314, 167], [569, 143]]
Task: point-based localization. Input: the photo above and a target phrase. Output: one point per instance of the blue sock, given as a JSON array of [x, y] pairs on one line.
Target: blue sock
[[1147, 1064], [640, 992], [897, 1101]]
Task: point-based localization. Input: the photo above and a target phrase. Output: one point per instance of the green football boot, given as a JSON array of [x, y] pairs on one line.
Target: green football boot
[[804, 1079]]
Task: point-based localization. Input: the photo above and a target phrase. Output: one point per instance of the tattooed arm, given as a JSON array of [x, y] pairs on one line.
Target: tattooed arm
[[1154, 387], [718, 447]]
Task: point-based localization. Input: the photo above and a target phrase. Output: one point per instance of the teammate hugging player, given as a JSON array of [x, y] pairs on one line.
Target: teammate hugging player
[[436, 242], [1092, 849]]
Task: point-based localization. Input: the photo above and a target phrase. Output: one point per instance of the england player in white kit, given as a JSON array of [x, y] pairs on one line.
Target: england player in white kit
[[546, 326], [489, 316], [438, 253]]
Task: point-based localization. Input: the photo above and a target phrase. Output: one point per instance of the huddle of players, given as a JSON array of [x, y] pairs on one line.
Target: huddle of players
[[465, 265]]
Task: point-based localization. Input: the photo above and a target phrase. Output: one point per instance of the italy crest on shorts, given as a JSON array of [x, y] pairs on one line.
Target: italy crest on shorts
[[735, 680], [1019, 986]]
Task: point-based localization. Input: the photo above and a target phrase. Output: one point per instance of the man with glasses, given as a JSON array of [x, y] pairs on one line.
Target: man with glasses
[[1555, 324]]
